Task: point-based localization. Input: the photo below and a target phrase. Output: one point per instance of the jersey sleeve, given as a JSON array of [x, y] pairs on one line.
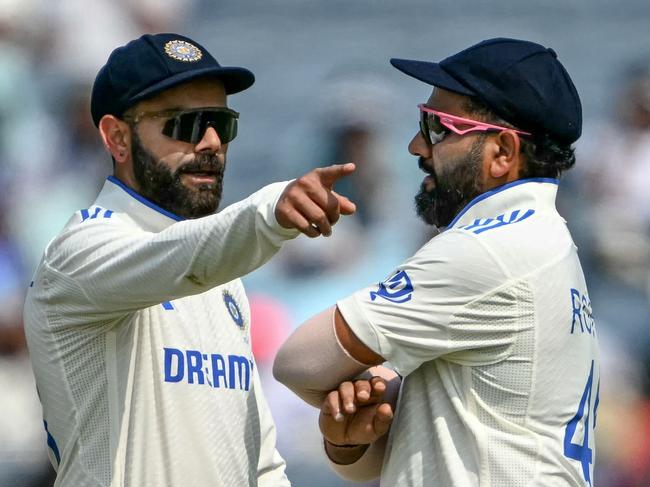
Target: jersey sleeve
[[452, 297], [98, 268], [271, 466]]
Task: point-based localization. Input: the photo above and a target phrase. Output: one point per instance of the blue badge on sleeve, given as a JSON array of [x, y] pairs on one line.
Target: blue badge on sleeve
[[397, 289]]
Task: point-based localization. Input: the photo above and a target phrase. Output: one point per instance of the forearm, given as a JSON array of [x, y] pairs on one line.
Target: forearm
[[119, 268], [312, 362], [246, 237]]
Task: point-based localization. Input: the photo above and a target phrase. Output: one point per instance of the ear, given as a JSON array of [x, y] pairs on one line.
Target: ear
[[116, 136], [506, 157]]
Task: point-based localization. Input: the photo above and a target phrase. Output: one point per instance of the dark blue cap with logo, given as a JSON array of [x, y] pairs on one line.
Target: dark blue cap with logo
[[153, 63], [521, 81]]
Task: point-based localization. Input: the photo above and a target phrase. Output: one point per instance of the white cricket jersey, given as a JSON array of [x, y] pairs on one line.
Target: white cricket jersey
[[138, 331], [490, 324]]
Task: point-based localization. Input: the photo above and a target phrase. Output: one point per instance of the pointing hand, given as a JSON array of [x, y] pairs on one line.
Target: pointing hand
[[310, 203]]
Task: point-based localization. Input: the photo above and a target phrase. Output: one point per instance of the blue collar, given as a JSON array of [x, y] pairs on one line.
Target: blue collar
[[497, 190], [144, 200]]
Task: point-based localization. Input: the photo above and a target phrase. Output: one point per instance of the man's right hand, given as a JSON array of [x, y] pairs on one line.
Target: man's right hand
[[357, 413], [311, 205]]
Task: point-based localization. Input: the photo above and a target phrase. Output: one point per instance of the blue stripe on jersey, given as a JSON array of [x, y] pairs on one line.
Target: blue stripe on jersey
[[85, 213], [144, 200], [494, 191], [485, 224], [168, 305], [52, 444]]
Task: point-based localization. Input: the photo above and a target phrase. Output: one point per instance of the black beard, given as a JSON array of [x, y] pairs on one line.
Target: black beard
[[457, 184], [164, 187]]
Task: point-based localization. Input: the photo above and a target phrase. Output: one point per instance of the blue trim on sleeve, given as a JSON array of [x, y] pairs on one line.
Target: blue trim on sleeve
[[52, 444], [144, 200], [494, 191]]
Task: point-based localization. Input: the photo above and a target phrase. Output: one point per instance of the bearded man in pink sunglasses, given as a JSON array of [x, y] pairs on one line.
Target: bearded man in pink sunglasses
[[475, 362]]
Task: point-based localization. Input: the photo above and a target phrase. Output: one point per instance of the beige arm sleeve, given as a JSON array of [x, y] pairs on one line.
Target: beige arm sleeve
[[312, 362]]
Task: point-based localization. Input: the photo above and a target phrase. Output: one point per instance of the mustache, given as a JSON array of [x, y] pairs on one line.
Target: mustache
[[422, 165], [208, 163]]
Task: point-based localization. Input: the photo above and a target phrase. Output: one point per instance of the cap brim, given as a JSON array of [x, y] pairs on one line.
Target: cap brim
[[234, 80], [431, 74]]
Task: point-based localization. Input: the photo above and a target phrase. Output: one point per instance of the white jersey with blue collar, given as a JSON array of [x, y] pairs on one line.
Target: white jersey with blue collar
[[138, 330], [490, 324]]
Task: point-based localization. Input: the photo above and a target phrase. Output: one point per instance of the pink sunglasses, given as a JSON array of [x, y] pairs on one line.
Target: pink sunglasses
[[435, 125]]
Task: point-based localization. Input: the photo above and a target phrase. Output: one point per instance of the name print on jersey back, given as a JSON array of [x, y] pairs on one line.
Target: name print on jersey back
[[581, 313], [214, 370], [579, 430]]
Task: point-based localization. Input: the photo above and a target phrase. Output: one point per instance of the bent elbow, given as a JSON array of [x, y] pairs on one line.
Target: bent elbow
[[282, 366]]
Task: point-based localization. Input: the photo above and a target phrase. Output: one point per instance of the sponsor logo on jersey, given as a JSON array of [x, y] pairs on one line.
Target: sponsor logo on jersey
[[481, 225], [234, 310], [213, 370], [397, 289]]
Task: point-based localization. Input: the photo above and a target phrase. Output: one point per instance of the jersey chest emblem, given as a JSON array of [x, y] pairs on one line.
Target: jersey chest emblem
[[397, 289], [234, 310]]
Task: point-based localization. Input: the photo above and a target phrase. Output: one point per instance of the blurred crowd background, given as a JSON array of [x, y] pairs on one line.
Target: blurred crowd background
[[325, 93]]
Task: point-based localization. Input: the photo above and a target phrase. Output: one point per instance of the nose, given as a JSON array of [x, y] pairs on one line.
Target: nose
[[210, 142], [419, 147]]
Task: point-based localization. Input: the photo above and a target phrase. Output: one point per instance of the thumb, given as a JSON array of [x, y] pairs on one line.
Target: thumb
[[345, 205]]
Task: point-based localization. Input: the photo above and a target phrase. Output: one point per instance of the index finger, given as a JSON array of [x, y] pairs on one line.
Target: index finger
[[332, 406], [347, 396], [329, 175]]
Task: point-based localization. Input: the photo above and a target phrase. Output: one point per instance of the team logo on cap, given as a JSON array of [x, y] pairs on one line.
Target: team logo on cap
[[183, 51], [233, 309]]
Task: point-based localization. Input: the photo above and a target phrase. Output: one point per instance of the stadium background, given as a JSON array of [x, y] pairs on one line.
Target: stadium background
[[325, 93]]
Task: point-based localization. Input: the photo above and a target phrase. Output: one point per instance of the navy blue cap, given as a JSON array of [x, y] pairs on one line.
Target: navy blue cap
[[153, 63], [521, 81]]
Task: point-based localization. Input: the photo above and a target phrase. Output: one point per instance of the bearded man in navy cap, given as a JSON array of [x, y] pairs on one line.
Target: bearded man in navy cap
[[487, 329], [137, 322]]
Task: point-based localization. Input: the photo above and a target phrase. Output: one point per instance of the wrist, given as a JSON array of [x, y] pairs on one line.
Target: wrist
[[336, 445], [344, 454]]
